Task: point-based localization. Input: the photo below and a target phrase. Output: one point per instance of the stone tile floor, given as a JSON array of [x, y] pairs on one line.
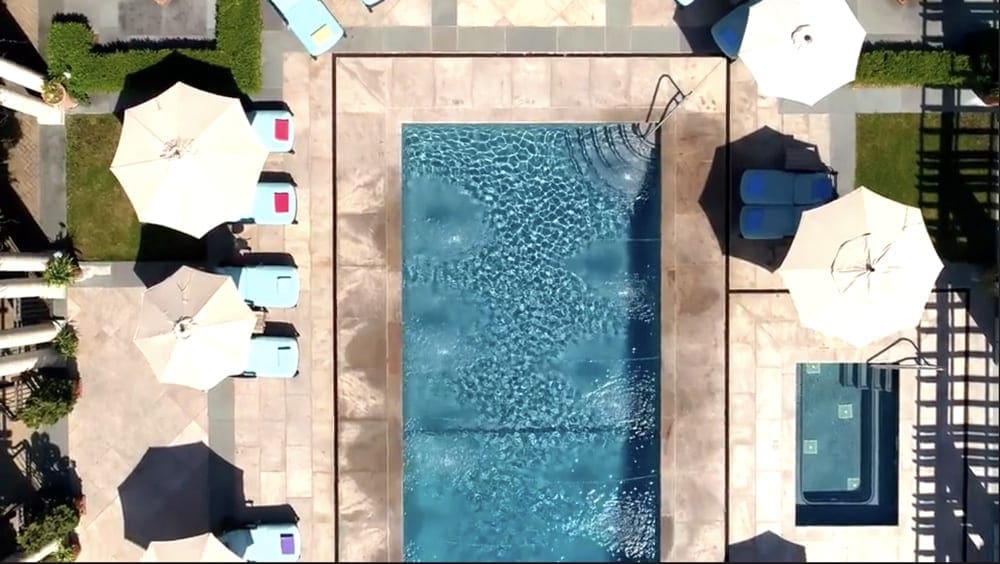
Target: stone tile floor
[[281, 432], [374, 97]]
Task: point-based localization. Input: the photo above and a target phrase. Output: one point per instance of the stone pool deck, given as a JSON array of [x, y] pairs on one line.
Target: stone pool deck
[[374, 97]]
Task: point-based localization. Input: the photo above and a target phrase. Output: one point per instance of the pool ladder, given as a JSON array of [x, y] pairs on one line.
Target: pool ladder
[[868, 378], [649, 127]]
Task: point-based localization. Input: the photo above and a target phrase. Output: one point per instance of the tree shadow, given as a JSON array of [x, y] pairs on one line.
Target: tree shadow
[[53, 473], [695, 22], [765, 148], [176, 67], [766, 547], [180, 491], [17, 47]]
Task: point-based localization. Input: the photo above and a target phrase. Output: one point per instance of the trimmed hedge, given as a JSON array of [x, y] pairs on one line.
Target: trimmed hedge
[[912, 67], [238, 29]]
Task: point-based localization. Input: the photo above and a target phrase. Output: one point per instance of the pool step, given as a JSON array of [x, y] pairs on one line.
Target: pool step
[[867, 379]]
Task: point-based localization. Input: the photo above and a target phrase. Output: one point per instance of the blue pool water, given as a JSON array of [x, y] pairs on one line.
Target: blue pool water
[[530, 343]]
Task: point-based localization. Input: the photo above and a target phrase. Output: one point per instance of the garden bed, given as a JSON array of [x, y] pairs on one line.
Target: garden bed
[[96, 69]]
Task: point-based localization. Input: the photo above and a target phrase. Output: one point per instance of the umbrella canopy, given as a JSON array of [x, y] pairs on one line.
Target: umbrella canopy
[[194, 329], [189, 160], [178, 492], [861, 267], [202, 548], [801, 50]]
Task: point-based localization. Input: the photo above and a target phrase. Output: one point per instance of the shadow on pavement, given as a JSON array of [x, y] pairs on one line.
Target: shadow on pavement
[[766, 547]]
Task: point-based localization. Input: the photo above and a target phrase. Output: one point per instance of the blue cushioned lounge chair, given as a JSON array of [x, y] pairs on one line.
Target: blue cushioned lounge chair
[[273, 357], [264, 285], [778, 187], [728, 32], [312, 23], [770, 222]]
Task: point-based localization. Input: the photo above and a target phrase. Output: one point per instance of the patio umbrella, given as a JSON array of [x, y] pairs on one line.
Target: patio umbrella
[[861, 267], [202, 548], [801, 50], [188, 160], [194, 329]]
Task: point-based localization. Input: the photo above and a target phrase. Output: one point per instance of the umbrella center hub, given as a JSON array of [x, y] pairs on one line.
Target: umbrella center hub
[[183, 327], [803, 36], [175, 148]]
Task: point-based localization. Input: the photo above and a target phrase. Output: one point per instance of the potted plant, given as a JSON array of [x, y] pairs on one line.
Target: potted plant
[[52, 398], [61, 270], [66, 341], [55, 524], [54, 93]]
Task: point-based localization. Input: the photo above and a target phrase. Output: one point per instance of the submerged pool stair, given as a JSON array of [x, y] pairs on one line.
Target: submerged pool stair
[[867, 377]]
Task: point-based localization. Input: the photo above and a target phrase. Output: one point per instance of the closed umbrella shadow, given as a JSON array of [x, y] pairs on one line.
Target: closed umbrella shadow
[[766, 547], [765, 148], [178, 492]]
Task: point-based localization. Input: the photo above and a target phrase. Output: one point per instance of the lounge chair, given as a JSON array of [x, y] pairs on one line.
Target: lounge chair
[[273, 357], [778, 187], [770, 222], [264, 542], [312, 23], [265, 286], [728, 32], [275, 203], [274, 127]]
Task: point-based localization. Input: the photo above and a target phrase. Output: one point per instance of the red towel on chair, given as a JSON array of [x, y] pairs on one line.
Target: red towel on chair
[[281, 127], [281, 202]]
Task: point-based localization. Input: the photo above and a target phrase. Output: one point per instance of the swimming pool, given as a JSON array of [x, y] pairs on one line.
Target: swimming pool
[[847, 425], [531, 339]]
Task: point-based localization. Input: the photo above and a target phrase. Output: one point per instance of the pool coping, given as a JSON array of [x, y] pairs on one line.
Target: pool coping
[[688, 530]]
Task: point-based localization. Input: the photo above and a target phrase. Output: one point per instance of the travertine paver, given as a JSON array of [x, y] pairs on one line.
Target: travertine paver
[[284, 429], [531, 13], [766, 342], [22, 163], [375, 96], [122, 411]]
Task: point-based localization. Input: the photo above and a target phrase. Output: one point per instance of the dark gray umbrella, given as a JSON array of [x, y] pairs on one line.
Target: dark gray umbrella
[[179, 492]]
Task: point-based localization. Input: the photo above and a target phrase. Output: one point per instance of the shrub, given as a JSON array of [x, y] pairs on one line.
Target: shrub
[[61, 270], [66, 341], [70, 49], [888, 66], [55, 525], [52, 398]]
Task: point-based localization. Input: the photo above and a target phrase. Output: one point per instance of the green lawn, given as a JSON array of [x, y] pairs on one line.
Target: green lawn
[[940, 163], [100, 217]]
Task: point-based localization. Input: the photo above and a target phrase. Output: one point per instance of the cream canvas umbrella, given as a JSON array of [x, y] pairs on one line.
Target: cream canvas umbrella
[[861, 267], [194, 329], [801, 50], [202, 548], [189, 160]]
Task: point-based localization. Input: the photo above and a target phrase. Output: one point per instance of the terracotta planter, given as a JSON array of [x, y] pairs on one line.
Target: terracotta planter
[[64, 101]]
